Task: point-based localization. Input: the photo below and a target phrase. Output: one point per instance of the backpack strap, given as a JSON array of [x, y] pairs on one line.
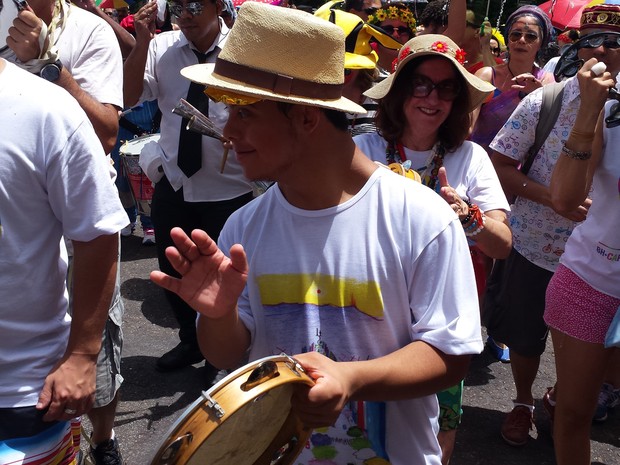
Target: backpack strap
[[549, 112]]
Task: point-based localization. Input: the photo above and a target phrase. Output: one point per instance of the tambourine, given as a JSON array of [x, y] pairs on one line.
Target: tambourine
[[244, 419], [8, 12]]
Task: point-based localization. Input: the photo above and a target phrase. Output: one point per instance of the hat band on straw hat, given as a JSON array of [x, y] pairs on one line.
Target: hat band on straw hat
[[277, 83]]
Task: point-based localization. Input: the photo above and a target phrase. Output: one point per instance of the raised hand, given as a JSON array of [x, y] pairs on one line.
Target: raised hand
[[145, 21], [450, 195], [24, 35], [210, 282]]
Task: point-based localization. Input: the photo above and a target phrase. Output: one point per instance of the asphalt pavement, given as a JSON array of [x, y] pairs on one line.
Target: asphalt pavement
[[151, 402]]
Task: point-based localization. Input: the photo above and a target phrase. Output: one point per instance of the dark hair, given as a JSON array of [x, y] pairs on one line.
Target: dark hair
[[357, 5], [435, 12], [337, 118], [391, 121]]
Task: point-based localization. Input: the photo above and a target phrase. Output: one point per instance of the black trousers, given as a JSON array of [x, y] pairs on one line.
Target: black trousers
[[169, 210]]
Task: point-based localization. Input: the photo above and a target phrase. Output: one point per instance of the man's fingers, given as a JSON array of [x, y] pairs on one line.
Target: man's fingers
[[165, 281]]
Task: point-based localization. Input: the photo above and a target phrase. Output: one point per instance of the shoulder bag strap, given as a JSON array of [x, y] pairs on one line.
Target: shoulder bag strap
[[549, 112]]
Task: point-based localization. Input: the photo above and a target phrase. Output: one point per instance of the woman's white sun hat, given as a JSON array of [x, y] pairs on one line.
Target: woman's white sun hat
[[438, 45]]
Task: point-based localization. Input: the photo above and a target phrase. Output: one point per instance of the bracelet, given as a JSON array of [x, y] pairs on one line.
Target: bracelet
[[575, 155], [475, 219], [467, 217], [479, 228]]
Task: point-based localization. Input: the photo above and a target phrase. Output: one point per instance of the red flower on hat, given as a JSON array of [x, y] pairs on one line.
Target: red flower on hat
[[440, 47], [404, 52], [394, 64], [460, 55]]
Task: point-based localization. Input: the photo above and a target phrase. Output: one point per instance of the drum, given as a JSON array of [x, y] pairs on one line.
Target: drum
[[140, 185], [245, 419]]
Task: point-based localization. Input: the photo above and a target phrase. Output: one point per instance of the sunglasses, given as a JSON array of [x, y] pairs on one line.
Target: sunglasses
[[569, 62], [193, 8], [530, 37], [598, 40], [402, 30], [472, 25], [370, 11], [422, 86]]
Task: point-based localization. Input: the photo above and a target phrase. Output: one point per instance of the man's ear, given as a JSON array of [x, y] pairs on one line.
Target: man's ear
[[219, 6]]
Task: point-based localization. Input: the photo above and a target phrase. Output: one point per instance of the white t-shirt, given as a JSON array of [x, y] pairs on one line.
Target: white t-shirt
[[593, 250], [89, 50], [469, 169], [169, 53], [54, 180], [358, 281]]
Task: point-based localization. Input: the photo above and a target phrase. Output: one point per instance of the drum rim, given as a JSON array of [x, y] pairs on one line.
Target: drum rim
[[200, 401]]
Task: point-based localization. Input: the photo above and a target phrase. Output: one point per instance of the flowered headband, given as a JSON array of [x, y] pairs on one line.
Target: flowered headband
[[438, 46], [400, 12]]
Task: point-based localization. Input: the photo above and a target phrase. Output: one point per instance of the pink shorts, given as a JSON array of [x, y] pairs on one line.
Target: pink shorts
[[576, 309]]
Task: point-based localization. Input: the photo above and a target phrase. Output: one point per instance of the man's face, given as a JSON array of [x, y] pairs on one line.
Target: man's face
[[264, 139], [605, 53], [198, 20]]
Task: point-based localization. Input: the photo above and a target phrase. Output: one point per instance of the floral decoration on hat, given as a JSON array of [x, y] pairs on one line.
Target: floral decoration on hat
[[399, 12], [438, 46]]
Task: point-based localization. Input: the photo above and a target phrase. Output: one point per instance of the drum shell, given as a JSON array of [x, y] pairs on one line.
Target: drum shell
[[140, 185], [202, 436]]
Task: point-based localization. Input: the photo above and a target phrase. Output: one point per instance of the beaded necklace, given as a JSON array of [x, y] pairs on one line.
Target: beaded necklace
[[395, 153]]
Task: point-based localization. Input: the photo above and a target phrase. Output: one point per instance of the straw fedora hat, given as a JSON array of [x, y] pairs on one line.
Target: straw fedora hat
[[280, 54], [438, 45]]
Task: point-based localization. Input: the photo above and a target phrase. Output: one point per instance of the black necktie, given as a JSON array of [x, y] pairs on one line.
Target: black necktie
[[190, 143]]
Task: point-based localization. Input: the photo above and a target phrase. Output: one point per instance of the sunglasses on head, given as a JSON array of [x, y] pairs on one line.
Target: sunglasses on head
[[530, 37], [193, 8], [402, 30], [422, 86]]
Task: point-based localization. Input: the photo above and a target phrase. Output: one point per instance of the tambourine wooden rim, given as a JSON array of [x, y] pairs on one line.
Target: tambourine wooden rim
[[240, 391]]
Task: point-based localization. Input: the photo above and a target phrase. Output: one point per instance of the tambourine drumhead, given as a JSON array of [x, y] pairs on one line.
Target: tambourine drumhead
[[7, 15], [135, 146], [245, 419]]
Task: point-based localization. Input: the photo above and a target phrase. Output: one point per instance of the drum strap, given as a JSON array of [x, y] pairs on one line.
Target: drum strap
[[131, 127]]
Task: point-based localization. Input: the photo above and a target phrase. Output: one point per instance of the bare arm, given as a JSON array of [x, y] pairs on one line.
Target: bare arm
[[416, 370], [495, 239], [515, 182], [71, 383], [456, 21], [103, 116], [133, 69], [572, 178]]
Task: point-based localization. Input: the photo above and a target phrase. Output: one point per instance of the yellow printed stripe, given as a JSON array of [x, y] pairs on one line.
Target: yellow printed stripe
[[321, 290]]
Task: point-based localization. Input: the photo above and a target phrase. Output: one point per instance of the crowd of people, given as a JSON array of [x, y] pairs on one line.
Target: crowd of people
[[506, 214]]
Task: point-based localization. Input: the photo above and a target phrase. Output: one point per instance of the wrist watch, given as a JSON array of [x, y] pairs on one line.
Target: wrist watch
[[51, 71]]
